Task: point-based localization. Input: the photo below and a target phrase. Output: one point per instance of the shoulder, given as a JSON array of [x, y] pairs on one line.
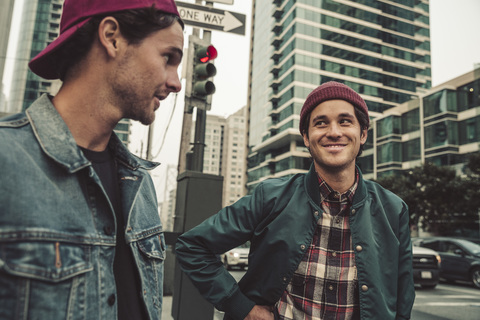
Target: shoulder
[[282, 182], [13, 121], [12, 129], [382, 195]]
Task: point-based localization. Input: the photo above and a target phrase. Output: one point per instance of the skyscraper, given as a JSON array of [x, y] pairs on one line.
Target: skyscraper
[[379, 48], [6, 11], [225, 153], [40, 25]]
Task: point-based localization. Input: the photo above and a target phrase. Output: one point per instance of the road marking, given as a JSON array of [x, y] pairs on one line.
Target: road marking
[[450, 296], [450, 304]]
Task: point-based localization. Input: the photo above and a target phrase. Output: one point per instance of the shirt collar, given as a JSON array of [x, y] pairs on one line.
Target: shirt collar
[[57, 142], [326, 192]]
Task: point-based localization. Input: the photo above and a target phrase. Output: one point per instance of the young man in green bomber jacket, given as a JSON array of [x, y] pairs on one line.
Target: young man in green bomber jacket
[[324, 245]]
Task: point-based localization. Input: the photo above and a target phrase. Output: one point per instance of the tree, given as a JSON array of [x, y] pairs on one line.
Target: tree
[[436, 196], [471, 186]]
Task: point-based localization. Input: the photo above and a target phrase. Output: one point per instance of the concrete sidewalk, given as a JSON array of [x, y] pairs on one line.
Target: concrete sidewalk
[[167, 308]]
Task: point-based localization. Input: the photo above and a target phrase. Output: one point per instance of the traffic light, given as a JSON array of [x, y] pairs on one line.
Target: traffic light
[[202, 70]]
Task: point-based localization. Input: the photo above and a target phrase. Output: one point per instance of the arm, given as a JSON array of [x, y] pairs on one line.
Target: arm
[[197, 251], [406, 290]]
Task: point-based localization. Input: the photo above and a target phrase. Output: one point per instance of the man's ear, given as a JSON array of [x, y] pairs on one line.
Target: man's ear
[[109, 35], [363, 136], [305, 140]]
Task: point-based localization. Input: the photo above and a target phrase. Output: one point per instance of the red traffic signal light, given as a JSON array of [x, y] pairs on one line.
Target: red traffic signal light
[[206, 54]]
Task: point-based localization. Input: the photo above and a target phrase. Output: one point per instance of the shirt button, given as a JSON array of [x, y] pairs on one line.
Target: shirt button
[[364, 288], [359, 248], [108, 230], [111, 300], [330, 287], [334, 254], [338, 220]]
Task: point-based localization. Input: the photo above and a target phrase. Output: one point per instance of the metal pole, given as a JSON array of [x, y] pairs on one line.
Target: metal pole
[[150, 142], [200, 124]]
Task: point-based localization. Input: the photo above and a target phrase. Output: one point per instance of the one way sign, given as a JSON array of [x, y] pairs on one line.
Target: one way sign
[[211, 19]]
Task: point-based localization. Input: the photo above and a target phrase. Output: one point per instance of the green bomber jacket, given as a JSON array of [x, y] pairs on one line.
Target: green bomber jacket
[[279, 219]]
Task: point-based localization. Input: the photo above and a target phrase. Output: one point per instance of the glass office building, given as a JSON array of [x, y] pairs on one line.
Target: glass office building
[[40, 25], [441, 126], [6, 11], [379, 48]]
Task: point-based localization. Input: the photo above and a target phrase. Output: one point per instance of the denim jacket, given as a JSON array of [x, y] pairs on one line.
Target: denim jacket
[[56, 244]]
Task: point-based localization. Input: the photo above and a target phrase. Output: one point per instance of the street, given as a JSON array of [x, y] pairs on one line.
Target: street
[[445, 302]]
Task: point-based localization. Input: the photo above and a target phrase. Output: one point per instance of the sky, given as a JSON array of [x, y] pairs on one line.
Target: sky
[[455, 47]]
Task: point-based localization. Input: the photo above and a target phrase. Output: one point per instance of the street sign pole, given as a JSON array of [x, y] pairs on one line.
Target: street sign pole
[[198, 195]]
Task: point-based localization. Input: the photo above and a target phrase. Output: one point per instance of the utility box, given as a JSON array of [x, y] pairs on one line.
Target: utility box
[[199, 196]]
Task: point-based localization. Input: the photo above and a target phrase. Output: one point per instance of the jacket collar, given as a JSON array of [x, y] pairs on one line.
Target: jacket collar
[[312, 187], [57, 142]]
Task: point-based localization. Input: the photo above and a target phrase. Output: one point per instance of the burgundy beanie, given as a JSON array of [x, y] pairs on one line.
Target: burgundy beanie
[[330, 91], [77, 13]]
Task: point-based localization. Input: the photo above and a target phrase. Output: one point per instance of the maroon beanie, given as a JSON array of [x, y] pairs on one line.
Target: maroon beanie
[[76, 13], [331, 91]]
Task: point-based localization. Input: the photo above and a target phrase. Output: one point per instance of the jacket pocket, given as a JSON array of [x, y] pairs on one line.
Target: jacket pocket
[[47, 261], [153, 247], [47, 280]]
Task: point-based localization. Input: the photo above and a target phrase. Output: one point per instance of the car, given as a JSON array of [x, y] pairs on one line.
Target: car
[[237, 257], [426, 267], [460, 258]]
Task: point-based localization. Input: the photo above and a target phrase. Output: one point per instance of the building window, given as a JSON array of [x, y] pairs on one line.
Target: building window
[[411, 150], [441, 134]]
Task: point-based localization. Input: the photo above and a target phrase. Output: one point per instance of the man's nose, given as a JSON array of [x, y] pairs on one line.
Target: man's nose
[[334, 130], [173, 82]]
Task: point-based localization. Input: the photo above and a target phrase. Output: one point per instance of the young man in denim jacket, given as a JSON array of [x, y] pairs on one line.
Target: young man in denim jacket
[[324, 245], [80, 234]]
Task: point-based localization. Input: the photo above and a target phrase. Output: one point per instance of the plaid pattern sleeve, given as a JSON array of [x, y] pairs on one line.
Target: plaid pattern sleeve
[[325, 284]]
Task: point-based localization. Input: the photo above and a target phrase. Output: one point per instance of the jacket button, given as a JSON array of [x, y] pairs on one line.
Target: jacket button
[[364, 288], [111, 300], [302, 247], [108, 230], [359, 248], [353, 211], [316, 213]]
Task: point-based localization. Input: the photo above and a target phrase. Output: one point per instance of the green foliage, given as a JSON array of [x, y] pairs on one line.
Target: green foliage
[[439, 201]]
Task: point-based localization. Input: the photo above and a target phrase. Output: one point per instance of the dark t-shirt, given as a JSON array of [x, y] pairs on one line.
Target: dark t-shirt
[[129, 302]]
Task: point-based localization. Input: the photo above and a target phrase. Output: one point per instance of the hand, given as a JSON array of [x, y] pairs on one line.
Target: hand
[[260, 313]]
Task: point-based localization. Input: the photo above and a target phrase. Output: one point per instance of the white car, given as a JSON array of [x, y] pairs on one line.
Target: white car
[[426, 267], [237, 257]]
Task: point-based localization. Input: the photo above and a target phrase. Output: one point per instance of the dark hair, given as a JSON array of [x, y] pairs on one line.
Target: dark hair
[[362, 120], [135, 26]]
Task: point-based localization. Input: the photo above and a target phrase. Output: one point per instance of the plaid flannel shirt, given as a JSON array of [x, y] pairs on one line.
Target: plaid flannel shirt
[[324, 286]]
